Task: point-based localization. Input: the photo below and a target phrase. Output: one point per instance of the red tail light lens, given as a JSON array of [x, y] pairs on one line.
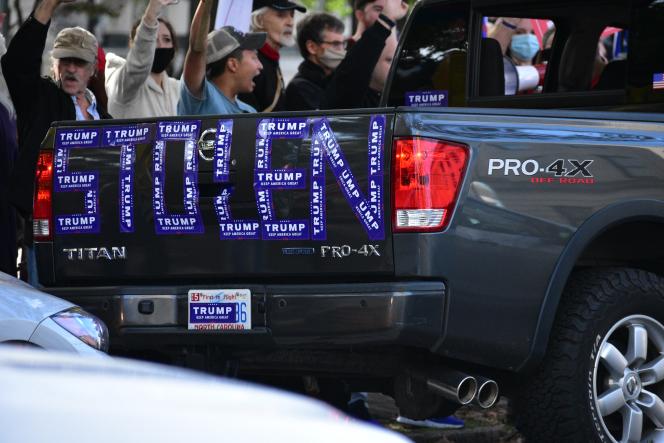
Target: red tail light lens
[[42, 211], [427, 176]]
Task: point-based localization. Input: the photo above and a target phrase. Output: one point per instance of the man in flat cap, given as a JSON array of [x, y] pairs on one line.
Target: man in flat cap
[[39, 101], [276, 18], [218, 68]]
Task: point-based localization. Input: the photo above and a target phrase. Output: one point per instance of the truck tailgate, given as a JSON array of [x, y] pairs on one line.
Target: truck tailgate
[[225, 197]]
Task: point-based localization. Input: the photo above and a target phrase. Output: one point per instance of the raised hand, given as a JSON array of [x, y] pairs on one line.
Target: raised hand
[[44, 10], [154, 8], [165, 2]]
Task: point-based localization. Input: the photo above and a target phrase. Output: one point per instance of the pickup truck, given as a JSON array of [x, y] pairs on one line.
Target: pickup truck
[[468, 234]]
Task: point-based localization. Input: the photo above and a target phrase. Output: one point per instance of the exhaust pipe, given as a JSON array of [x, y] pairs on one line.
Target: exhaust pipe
[[487, 393], [454, 386]]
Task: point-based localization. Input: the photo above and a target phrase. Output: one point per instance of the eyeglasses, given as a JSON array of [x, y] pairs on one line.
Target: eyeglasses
[[337, 44]]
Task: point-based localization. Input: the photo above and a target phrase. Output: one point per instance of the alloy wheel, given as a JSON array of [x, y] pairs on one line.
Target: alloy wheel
[[628, 381]]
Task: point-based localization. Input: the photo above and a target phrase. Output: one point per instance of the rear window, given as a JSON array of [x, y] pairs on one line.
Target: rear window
[[431, 67], [516, 57], [595, 54], [589, 55], [645, 63]]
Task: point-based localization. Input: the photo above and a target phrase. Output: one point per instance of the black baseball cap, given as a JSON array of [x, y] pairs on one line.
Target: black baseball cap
[[282, 5]]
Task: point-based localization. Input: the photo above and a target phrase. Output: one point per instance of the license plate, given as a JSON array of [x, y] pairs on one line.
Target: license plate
[[220, 309]]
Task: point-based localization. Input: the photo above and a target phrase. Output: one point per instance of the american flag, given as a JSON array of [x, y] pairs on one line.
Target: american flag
[[658, 81]]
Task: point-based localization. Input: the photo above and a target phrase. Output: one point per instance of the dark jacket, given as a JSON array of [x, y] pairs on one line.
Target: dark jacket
[[266, 83], [8, 149], [39, 101], [371, 99], [306, 90], [349, 86]]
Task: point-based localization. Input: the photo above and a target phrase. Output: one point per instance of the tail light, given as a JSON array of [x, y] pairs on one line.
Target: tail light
[[427, 176], [42, 213]]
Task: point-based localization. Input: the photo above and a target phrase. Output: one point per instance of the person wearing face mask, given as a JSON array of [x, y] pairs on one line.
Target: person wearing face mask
[[523, 48], [516, 39], [321, 43], [139, 87], [275, 18]]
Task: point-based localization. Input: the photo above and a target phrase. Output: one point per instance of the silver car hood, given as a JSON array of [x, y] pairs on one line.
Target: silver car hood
[[106, 401], [19, 300]]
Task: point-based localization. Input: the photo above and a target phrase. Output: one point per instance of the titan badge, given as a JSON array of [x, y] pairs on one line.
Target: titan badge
[[100, 253]]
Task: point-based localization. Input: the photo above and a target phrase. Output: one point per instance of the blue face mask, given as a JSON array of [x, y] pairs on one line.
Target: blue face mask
[[524, 46]]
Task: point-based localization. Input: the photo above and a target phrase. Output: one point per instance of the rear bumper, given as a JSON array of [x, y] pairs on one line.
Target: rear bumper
[[323, 316]]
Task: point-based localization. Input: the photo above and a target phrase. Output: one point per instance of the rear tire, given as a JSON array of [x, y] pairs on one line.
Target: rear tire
[[334, 392], [602, 377]]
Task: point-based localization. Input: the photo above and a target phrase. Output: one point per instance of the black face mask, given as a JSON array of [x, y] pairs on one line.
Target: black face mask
[[162, 58]]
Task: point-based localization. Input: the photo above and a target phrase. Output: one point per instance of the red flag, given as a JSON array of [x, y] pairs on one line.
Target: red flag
[[540, 27], [609, 31]]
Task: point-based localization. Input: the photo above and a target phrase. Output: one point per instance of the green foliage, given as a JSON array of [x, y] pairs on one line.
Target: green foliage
[[340, 8]]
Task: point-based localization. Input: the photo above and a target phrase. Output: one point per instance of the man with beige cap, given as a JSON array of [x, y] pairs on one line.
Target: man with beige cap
[[39, 101], [218, 66]]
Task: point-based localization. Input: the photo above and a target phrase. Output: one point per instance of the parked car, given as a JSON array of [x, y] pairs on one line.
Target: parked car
[[57, 397], [29, 316]]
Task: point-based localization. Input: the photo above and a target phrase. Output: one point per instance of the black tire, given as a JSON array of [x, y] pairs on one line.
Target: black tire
[[334, 392], [565, 401]]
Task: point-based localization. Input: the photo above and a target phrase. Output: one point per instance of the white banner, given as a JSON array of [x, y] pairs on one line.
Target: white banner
[[236, 13]]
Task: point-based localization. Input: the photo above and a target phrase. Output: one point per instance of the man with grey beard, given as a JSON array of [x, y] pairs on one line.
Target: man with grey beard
[[274, 17], [39, 101]]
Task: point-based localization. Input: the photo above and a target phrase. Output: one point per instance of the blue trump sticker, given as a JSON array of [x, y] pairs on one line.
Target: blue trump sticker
[[126, 135], [426, 99], [283, 128], [77, 138], [212, 312]]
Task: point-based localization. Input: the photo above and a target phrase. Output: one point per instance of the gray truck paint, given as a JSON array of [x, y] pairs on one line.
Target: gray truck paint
[[501, 252]]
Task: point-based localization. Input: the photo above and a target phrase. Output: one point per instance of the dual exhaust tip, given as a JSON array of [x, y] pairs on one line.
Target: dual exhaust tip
[[464, 389]]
